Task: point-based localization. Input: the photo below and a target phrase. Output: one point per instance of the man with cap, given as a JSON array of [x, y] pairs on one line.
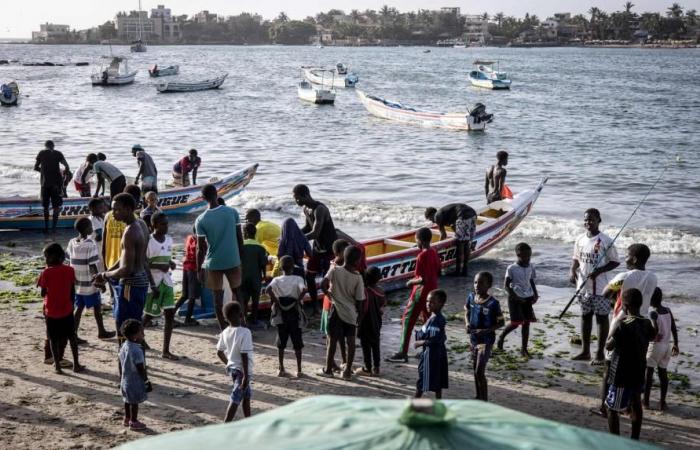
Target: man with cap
[[148, 174], [182, 169]]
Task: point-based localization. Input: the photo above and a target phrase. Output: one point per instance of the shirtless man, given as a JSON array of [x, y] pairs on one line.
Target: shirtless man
[[496, 178], [462, 219], [47, 163]]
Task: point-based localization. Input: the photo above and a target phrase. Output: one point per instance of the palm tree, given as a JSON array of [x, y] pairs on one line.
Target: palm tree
[[499, 19], [691, 17], [594, 12], [628, 7], [675, 11], [355, 14], [485, 17], [282, 17]]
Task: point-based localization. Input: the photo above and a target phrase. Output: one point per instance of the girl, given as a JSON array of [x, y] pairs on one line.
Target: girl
[[371, 323], [134, 382], [432, 367]]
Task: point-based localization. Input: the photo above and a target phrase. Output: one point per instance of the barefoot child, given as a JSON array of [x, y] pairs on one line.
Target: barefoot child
[[134, 380], [339, 247], [235, 349], [522, 294], [432, 368], [191, 289], [57, 283], [483, 317], [151, 201], [254, 262], [83, 258], [286, 293], [371, 323], [660, 349]]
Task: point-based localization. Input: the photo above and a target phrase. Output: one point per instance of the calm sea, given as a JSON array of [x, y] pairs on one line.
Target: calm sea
[[600, 123]]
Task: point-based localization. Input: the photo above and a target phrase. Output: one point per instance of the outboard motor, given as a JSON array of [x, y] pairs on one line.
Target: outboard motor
[[479, 114]]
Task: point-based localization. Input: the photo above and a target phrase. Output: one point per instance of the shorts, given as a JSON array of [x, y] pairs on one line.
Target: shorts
[[596, 304], [129, 303], [319, 262], [620, 398], [286, 331], [180, 179], [87, 301], [83, 189], [338, 329], [61, 328], [149, 184], [521, 311], [465, 229], [480, 356], [659, 355], [155, 304], [191, 287], [52, 195], [117, 186], [215, 278], [238, 394]]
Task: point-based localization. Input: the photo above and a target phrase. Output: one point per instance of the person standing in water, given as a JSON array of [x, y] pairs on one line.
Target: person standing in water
[[495, 180], [148, 173], [47, 163], [183, 167]]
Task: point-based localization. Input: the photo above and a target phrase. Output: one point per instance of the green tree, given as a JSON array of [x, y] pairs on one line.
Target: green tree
[[293, 32], [675, 11], [282, 17], [628, 7], [691, 17], [499, 19]]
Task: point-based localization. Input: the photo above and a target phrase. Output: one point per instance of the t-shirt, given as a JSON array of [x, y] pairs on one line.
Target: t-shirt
[[485, 314], [79, 173], [186, 166], [82, 253], [48, 162], [287, 286], [233, 341], [148, 167], [587, 251], [448, 214], [428, 267], [98, 225], [520, 278], [219, 227], [58, 282], [345, 289], [643, 280], [106, 170], [629, 360], [160, 253], [149, 211], [112, 235], [268, 234], [253, 260], [189, 261]]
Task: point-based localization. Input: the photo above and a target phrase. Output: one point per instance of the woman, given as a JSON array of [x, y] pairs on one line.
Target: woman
[[295, 244]]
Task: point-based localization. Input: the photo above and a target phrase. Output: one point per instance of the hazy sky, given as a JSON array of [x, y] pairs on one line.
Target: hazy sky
[[20, 17]]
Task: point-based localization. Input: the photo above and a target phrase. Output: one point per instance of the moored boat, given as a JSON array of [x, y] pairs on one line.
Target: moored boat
[[485, 76], [27, 213], [472, 120], [180, 86], [116, 73], [156, 71], [315, 94], [9, 94], [341, 77]]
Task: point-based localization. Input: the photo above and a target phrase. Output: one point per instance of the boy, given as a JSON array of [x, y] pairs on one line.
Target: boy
[[432, 368], [370, 326], [660, 350], [235, 349], [344, 286], [482, 317], [522, 294], [83, 258], [428, 268], [286, 293], [191, 289], [339, 247], [57, 283], [159, 254], [98, 209], [151, 201], [254, 262], [628, 342]]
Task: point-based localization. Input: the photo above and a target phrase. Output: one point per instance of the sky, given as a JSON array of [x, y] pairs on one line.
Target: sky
[[20, 17]]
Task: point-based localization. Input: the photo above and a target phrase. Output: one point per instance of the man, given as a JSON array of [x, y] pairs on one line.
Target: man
[[267, 233], [495, 179], [594, 257], [182, 169], [319, 228], [47, 163], [462, 219], [105, 170], [219, 243], [148, 173]]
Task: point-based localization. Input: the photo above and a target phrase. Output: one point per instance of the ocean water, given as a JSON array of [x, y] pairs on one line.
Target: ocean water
[[602, 124]]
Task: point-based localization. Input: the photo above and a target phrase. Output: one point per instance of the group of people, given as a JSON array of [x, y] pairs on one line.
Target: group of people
[[117, 250]]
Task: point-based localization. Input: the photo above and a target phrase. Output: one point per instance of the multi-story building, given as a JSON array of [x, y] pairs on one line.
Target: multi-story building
[[51, 32], [161, 12], [205, 17], [476, 29], [164, 27], [128, 26], [451, 9]]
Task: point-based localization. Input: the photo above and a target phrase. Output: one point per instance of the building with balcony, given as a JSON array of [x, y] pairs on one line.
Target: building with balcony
[[128, 26], [476, 29]]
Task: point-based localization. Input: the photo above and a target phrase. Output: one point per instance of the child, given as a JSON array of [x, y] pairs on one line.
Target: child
[[134, 380], [254, 262], [428, 268], [339, 247], [151, 201], [160, 254], [57, 283], [98, 208], [628, 342], [287, 292], [432, 368], [191, 289], [371, 323], [83, 258], [482, 317], [660, 350], [235, 349], [344, 286], [522, 294]]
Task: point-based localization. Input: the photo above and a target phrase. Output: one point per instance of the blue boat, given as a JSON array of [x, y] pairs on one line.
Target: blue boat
[[486, 77]]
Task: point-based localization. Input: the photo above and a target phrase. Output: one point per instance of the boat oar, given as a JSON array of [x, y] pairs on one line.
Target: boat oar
[[605, 251]]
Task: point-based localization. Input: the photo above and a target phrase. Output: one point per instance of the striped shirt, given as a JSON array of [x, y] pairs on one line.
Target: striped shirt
[[82, 253], [159, 253]]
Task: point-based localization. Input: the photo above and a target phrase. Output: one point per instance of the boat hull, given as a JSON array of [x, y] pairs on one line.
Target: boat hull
[[168, 71], [317, 96], [113, 80], [27, 213], [348, 80], [12, 101], [490, 84], [205, 85]]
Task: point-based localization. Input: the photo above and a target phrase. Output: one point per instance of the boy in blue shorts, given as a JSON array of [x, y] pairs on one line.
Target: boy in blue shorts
[[235, 349]]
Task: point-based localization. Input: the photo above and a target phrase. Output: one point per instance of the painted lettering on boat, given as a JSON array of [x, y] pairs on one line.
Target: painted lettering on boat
[[83, 210], [170, 201], [408, 266]]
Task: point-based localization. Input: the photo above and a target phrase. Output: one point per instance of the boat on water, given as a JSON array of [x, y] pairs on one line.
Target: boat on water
[[474, 119], [315, 94], [181, 86], [138, 46], [485, 76], [114, 73], [156, 71], [27, 213], [341, 77], [9, 94]]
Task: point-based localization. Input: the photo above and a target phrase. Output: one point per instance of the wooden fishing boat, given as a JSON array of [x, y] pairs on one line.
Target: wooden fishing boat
[[156, 71], [27, 213], [178, 86], [472, 120], [9, 94]]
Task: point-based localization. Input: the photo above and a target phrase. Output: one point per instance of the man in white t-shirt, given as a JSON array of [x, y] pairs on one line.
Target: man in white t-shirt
[[235, 349], [594, 257]]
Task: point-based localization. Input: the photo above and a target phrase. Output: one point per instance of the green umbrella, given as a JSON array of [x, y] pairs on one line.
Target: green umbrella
[[348, 423]]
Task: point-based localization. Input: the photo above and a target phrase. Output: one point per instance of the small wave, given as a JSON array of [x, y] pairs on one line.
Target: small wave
[[18, 172]]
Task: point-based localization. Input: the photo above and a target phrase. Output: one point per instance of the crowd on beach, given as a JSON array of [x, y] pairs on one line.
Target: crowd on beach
[[125, 250]]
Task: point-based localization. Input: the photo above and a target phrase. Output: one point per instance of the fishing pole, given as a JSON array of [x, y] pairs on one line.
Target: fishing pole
[[612, 243]]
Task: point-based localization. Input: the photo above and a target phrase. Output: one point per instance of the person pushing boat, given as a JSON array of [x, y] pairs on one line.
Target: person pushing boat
[[148, 173], [462, 219], [182, 169], [105, 170], [47, 163], [495, 180]]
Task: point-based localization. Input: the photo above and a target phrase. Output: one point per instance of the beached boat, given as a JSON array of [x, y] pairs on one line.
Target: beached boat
[[9, 94], [315, 94], [155, 71], [472, 120], [340, 77], [485, 76], [180, 86], [27, 212], [116, 73]]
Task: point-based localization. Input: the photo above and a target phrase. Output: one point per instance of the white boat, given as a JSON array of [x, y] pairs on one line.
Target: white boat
[[485, 76], [155, 71], [9, 94], [138, 46], [115, 73], [315, 94], [179, 86], [319, 75], [472, 120]]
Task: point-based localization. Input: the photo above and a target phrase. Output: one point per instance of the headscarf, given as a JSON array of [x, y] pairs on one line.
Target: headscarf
[[293, 242]]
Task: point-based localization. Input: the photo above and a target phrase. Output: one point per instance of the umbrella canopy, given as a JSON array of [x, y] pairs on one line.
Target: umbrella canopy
[[349, 423]]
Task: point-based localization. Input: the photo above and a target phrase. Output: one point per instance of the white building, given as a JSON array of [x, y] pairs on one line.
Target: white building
[[50, 32], [161, 12], [205, 17], [128, 26], [476, 29], [451, 9]]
